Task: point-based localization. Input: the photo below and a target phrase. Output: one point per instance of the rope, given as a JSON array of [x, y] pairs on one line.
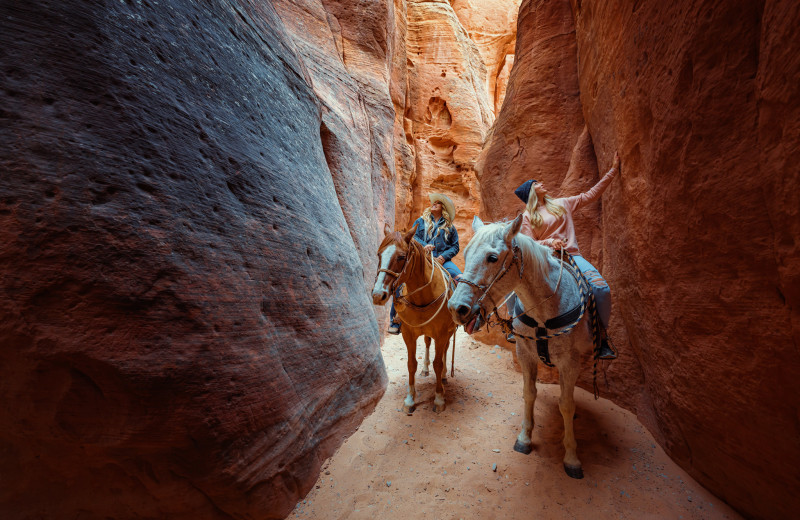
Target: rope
[[508, 326], [444, 300], [423, 286], [453, 356], [586, 294], [596, 341]]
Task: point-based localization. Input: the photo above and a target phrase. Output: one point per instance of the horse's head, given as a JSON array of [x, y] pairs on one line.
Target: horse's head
[[489, 256], [392, 255]]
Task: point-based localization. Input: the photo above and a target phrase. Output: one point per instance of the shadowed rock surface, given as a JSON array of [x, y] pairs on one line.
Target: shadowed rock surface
[[184, 326], [698, 237]]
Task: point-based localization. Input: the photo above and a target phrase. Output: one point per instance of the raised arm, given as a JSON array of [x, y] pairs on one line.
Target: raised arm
[[594, 193]]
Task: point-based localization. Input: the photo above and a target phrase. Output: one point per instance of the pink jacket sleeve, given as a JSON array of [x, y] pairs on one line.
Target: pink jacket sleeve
[[592, 194]]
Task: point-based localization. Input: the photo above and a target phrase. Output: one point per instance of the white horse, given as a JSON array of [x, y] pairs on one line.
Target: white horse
[[499, 260]]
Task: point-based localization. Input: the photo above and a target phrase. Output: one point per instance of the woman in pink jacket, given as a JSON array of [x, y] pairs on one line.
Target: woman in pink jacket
[[549, 222]]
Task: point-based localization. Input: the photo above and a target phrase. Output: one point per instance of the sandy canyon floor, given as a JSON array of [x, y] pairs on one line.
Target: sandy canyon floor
[[442, 466]]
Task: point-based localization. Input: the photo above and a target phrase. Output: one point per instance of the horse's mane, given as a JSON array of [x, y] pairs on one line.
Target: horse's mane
[[420, 250], [396, 237], [533, 253]]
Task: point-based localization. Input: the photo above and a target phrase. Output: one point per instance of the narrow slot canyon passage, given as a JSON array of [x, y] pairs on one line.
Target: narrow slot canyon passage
[[194, 203], [460, 464]]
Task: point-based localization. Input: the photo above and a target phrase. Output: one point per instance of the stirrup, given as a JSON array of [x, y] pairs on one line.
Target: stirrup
[[606, 352], [510, 337]]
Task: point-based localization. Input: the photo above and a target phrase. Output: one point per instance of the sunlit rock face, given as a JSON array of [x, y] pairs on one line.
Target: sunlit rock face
[[459, 55], [189, 210], [446, 116], [698, 236], [493, 27]]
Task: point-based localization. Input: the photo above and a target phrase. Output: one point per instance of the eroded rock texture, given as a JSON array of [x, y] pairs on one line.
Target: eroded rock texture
[[446, 115], [189, 206], [493, 28], [699, 233]]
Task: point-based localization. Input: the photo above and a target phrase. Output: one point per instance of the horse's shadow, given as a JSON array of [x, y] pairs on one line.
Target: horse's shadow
[[591, 432]]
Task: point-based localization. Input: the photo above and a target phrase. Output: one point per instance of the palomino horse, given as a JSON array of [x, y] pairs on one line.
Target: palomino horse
[[422, 310], [499, 260]]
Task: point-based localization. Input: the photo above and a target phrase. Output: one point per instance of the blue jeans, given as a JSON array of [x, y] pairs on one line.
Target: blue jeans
[[600, 289], [449, 266]]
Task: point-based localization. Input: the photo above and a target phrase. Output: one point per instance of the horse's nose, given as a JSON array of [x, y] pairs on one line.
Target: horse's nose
[[380, 297], [462, 310]]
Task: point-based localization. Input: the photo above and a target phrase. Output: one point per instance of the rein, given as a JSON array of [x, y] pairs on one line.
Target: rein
[[516, 259], [411, 260], [507, 323], [444, 296]]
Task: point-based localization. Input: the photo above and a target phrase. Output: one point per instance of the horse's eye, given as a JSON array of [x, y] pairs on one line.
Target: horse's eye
[[491, 258], [401, 257]]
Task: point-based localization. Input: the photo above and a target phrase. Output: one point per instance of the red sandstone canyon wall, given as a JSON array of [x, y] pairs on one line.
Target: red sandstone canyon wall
[[698, 237], [493, 28], [446, 115], [458, 55], [189, 208]]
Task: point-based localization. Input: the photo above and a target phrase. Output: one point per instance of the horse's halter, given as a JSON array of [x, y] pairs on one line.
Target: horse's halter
[[396, 283], [516, 258]]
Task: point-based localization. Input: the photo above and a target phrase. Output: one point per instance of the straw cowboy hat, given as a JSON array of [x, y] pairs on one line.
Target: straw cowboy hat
[[449, 207]]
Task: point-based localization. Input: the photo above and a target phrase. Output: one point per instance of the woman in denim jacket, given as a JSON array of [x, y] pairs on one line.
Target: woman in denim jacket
[[435, 231]]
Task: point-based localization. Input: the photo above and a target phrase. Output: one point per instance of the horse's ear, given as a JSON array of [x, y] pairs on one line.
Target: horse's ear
[[386, 229], [477, 223], [513, 229], [408, 236]]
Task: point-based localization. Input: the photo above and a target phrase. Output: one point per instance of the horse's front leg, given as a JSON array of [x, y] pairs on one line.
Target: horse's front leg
[[530, 366], [411, 349], [427, 362], [438, 369], [566, 403]]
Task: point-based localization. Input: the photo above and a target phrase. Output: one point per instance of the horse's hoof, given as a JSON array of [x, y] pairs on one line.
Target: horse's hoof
[[438, 408], [573, 471], [424, 373], [409, 409], [523, 448]]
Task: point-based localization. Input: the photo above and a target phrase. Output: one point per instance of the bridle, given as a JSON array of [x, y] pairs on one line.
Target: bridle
[[396, 284], [516, 258]]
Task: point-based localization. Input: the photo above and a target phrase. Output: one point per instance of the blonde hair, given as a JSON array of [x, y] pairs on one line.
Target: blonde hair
[[429, 224], [536, 219]]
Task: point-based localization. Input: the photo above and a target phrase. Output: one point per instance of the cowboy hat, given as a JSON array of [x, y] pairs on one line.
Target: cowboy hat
[[449, 207]]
